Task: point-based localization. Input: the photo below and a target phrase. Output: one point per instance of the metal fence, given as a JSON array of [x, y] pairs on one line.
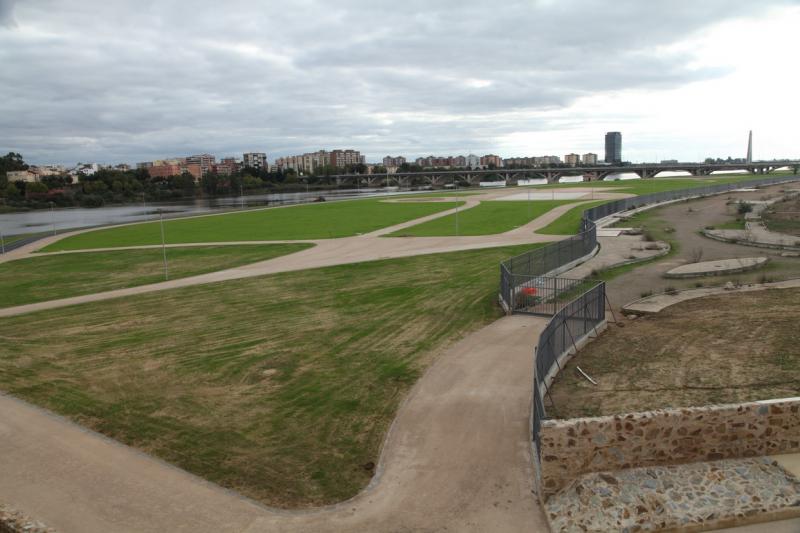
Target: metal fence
[[569, 325], [577, 310], [550, 258]]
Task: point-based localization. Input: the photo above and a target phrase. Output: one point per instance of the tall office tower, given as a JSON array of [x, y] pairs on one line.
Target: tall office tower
[[750, 147], [613, 147]]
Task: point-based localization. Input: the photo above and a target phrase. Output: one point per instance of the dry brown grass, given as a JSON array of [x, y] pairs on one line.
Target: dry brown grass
[[722, 349]]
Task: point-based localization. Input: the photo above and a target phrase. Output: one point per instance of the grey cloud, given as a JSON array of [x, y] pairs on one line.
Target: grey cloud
[[7, 13], [136, 80]]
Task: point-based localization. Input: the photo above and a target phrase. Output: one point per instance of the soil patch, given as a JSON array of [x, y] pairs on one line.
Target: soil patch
[[783, 217], [721, 349]]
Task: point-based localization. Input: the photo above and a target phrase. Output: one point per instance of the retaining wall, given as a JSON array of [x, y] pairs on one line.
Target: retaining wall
[[578, 446]]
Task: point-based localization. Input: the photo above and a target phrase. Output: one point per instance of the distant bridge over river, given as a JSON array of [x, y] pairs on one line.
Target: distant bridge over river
[[440, 178]]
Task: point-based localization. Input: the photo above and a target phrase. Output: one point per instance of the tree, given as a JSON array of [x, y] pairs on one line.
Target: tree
[[12, 192], [12, 161]]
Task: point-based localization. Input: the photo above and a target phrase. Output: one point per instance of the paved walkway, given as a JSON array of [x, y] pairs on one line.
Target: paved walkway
[[457, 458]]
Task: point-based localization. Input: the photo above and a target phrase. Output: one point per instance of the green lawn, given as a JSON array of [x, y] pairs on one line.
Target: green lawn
[[570, 222], [653, 185], [487, 218], [42, 278], [281, 387], [309, 221]]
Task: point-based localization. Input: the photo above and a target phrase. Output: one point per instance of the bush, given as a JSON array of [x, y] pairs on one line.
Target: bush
[[671, 290], [92, 200], [744, 207]]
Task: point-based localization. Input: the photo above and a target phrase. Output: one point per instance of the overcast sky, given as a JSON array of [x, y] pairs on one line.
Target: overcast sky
[[119, 81]]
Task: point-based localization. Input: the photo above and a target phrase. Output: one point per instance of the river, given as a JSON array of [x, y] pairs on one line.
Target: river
[[58, 220]]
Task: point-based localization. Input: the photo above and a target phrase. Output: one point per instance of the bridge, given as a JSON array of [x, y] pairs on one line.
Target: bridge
[[440, 178]]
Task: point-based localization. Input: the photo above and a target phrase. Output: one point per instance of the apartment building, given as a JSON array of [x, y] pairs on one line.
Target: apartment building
[[257, 160], [390, 161], [572, 160], [589, 159], [491, 160], [206, 162]]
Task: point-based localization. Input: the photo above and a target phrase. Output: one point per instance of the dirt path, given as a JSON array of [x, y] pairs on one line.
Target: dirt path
[[457, 458], [687, 224]]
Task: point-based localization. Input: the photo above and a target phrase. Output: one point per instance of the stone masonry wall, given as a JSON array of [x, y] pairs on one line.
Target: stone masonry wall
[[578, 446]]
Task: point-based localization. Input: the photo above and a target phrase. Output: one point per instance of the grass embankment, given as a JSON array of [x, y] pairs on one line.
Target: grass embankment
[[487, 218], [570, 222], [669, 359], [42, 278], [309, 221], [8, 239], [281, 387], [783, 216], [652, 185]]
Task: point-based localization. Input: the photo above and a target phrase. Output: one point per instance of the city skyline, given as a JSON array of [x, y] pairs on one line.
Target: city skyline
[[90, 82]]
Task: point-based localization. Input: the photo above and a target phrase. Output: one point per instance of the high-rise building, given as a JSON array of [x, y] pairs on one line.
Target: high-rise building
[[256, 160], [613, 147], [390, 161], [491, 160], [572, 159], [205, 161], [589, 159], [346, 158]]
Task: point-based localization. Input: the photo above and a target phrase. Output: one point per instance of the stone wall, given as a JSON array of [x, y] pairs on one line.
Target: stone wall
[[13, 521], [578, 446]]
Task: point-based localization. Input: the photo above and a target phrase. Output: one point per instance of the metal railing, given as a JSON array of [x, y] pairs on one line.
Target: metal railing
[[548, 259], [569, 325], [576, 318]]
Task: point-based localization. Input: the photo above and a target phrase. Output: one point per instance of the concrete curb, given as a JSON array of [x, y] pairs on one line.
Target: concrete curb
[[693, 294]]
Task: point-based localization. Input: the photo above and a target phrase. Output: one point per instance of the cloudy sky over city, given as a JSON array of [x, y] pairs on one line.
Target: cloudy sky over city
[[122, 81]]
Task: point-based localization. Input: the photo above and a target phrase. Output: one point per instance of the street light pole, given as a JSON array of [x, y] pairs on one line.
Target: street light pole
[[241, 194], [2, 243], [163, 245], [52, 218], [457, 220]]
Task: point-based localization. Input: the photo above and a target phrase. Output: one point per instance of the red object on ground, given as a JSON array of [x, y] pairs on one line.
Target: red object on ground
[[529, 291]]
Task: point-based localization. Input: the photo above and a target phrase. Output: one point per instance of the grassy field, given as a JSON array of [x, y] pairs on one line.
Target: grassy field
[[281, 387], [487, 218], [783, 217], [570, 222], [42, 278], [309, 221], [653, 185], [693, 353]]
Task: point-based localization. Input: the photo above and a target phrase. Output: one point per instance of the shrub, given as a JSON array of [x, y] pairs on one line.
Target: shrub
[[670, 290], [744, 207]]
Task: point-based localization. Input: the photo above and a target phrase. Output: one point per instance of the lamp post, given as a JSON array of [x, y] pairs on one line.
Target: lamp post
[[163, 245], [2, 243], [52, 218]]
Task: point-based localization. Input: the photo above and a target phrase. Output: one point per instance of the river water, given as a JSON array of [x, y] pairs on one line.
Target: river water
[[58, 220]]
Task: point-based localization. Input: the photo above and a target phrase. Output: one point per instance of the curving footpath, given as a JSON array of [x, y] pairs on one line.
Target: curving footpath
[[457, 458], [326, 252]]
